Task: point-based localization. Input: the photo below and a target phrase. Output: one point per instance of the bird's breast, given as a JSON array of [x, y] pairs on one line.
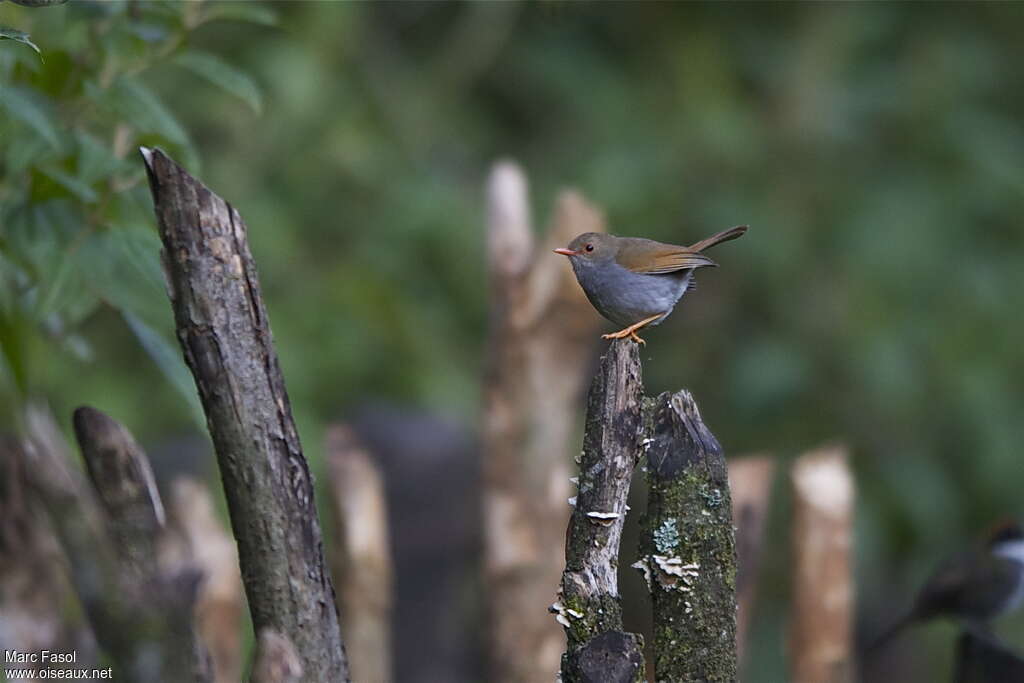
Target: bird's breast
[[625, 297]]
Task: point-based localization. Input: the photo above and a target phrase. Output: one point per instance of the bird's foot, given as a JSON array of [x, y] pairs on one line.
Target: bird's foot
[[631, 330], [621, 334]]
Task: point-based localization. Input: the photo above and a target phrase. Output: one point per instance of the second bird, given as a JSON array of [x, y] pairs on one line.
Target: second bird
[[635, 282]]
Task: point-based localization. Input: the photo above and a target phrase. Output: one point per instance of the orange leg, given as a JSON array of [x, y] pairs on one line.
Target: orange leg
[[631, 330]]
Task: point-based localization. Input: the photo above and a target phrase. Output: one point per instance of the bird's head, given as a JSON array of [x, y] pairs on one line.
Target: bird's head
[[590, 247]]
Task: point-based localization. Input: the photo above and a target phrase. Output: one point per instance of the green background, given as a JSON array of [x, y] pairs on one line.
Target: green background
[[876, 151]]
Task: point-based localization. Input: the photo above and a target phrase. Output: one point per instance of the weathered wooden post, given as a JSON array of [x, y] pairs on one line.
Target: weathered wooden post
[[984, 660], [199, 537], [750, 486], [589, 607], [821, 631], [542, 339], [223, 329], [111, 531], [361, 554], [687, 548]]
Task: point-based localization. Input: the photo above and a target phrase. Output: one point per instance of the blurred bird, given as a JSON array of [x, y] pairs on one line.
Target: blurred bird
[[634, 281], [972, 587]]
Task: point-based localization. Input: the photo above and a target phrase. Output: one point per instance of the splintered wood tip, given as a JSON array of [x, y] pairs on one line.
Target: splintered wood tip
[[147, 156]]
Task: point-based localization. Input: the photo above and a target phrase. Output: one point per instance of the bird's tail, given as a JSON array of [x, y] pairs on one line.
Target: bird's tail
[[724, 236], [892, 631]]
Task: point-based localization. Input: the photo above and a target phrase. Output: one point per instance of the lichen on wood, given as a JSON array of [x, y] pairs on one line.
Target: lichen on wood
[[687, 545], [687, 548]]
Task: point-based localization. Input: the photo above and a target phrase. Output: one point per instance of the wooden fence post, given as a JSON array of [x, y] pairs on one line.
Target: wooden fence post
[[361, 554], [35, 595], [543, 332], [750, 486], [200, 538], [687, 545], [981, 660], [275, 659], [223, 329], [589, 605], [141, 614], [822, 536]]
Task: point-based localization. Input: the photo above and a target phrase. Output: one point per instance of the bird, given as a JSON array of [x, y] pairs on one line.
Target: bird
[[635, 282], [973, 586]]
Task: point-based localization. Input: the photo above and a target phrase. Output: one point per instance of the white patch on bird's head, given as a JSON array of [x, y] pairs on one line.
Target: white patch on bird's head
[[1011, 550]]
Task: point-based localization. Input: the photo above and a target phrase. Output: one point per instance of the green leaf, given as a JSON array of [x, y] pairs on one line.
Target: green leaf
[[14, 342], [70, 183], [123, 266], [223, 75], [78, 346], [52, 289], [169, 360], [7, 33], [139, 106], [24, 107], [96, 161], [236, 11]]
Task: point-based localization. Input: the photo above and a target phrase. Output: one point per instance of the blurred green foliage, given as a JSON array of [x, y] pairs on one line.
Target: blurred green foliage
[[876, 150], [77, 232]]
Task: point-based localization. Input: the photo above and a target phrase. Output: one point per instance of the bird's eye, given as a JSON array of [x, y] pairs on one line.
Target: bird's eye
[[589, 247]]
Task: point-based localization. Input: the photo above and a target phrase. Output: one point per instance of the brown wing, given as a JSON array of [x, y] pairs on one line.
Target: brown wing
[[654, 258]]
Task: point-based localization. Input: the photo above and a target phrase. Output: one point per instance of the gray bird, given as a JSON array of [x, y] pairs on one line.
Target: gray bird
[[972, 587], [635, 282]]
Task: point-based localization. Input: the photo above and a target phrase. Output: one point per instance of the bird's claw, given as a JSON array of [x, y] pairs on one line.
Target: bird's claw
[[623, 334]]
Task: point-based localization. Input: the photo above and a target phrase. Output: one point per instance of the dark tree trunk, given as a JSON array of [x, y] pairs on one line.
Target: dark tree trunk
[[223, 328]]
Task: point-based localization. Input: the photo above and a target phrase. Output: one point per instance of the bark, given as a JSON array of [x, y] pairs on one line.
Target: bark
[[223, 329], [750, 486], [142, 617], [37, 603], [822, 615], [589, 606], [123, 479], [361, 556], [201, 540], [687, 547], [543, 332]]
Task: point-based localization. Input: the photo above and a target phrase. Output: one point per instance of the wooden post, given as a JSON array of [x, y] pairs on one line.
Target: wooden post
[[822, 616], [276, 660], [361, 554], [142, 616], [121, 474], [223, 329], [36, 600], [750, 485], [589, 606], [985, 660], [203, 541], [543, 333], [687, 546]]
